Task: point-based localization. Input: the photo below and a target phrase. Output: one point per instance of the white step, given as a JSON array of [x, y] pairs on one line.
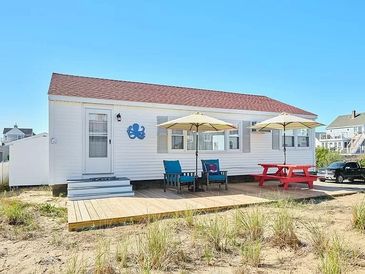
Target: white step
[[95, 188], [100, 196], [95, 184], [99, 190]]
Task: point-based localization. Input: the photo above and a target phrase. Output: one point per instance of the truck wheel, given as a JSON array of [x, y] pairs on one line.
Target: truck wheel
[[322, 180], [340, 179]]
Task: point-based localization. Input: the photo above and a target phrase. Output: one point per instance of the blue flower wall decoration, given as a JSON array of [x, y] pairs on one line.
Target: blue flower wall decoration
[[136, 131]]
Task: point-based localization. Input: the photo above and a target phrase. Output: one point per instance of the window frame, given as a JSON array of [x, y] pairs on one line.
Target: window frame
[[238, 136], [305, 136], [185, 143], [171, 135], [296, 145], [292, 135]]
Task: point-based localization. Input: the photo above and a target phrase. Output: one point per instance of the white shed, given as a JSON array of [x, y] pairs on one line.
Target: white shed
[[29, 161]]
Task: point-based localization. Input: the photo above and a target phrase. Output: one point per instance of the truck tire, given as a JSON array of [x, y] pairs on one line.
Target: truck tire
[[340, 179]]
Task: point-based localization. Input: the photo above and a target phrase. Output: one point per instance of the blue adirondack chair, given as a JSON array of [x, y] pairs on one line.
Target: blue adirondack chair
[[213, 174], [174, 176]]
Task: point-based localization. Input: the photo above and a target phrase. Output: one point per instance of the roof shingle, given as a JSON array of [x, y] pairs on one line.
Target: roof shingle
[[348, 121], [26, 131], [88, 87]]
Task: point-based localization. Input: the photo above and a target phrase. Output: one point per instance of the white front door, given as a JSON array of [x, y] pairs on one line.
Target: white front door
[[98, 143]]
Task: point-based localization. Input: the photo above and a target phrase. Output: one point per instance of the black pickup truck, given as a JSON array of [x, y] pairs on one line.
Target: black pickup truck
[[341, 171]]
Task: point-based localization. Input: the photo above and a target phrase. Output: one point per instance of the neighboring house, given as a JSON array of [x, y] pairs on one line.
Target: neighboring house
[[94, 125], [15, 133], [346, 134], [318, 136]]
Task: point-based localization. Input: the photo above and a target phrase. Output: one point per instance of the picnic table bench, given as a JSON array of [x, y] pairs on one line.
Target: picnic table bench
[[286, 174]]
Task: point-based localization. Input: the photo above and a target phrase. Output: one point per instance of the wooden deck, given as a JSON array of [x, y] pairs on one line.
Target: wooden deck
[[154, 203]]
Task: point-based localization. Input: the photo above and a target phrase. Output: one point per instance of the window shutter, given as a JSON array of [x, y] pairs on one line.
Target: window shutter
[[162, 141], [275, 139], [246, 136]]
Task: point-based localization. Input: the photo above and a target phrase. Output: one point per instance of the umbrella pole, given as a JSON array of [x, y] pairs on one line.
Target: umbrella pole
[[284, 147], [196, 152], [196, 157]]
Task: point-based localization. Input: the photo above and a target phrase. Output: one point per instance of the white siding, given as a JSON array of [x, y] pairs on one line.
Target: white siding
[[65, 133], [138, 159], [29, 161]]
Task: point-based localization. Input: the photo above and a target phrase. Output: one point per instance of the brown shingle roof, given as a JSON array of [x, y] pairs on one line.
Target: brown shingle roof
[[87, 87]]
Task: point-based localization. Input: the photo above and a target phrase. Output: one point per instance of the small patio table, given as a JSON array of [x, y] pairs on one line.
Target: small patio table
[[286, 174]]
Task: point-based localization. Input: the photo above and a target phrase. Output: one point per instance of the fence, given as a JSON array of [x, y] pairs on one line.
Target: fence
[[4, 173]]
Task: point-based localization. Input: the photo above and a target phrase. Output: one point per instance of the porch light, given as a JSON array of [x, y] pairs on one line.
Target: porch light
[[119, 117]]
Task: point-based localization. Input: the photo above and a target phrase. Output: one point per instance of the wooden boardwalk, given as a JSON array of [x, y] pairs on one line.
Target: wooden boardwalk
[[154, 203]]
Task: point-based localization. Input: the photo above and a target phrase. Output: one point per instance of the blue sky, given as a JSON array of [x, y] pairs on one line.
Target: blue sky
[[307, 53]]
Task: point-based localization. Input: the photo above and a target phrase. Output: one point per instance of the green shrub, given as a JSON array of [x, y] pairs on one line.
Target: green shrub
[[325, 156], [16, 212], [362, 161], [358, 216], [52, 211]]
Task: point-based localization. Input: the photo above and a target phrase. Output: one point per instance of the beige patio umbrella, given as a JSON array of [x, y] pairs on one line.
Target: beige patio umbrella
[[197, 122], [286, 121]]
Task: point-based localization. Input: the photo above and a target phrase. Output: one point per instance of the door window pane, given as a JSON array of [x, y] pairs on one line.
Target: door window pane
[[98, 135], [98, 146]]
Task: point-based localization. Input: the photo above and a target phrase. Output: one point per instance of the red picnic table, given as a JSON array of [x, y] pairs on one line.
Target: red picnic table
[[286, 174]]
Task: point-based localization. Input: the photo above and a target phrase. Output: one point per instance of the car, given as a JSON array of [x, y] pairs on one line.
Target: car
[[340, 171]]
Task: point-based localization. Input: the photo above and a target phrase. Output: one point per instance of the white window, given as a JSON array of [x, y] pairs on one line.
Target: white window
[[289, 138], [207, 141], [234, 139], [303, 138], [177, 139]]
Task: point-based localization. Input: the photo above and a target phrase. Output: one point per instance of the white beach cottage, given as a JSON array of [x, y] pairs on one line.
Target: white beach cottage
[[100, 128]]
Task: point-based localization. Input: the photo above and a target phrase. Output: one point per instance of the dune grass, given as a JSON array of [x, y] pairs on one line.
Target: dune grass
[[217, 232], [156, 248], [358, 216], [75, 265], [251, 253], [318, 239], [250, 224], [284, 230]]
